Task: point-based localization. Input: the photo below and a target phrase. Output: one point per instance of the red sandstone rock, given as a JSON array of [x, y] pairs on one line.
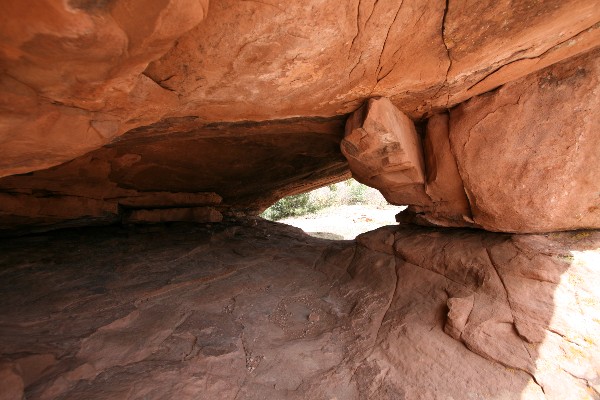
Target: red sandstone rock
[[459, 310], [72, 74], [146, 82], [323, 58], [521, 154], [11, 382], [186, 312], [526, 151], [250, 164], [187, 214], [384, 152], [117, 66], [166, 199], [448, 204], [163, 106]]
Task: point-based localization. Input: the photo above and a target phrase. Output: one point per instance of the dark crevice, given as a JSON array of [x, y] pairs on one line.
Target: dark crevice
[[445, 15], [159, 82]]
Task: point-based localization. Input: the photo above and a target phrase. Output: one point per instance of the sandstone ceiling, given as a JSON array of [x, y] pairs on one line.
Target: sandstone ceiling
[[247, 99]]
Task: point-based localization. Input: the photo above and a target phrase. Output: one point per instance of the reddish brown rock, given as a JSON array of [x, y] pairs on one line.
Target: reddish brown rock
[[126, 76], [167, 199], [11, 382], [475, 34], [448, 204], [117, 66], [459, 310], [186, 214], [525, 152], [325, 59], [514, 160], [236, 168], [260, 310], [384, 152], [95, 88]]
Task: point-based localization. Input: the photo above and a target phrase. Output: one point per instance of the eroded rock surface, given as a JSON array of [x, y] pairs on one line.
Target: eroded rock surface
[[526, 152], [476, 114], [263, 310], [325, 58], [186, 82], [384, 151], [232, 168], [518, 159], [72, 74]]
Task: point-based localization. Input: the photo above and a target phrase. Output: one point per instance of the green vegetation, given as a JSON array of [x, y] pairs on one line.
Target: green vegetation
[[290, 206], [349, 192]]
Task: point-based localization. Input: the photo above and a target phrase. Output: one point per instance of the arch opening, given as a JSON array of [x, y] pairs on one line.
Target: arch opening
[[339, 211]]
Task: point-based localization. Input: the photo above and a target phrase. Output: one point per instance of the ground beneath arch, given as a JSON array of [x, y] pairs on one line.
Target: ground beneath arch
[[255, 309], [345, 221]]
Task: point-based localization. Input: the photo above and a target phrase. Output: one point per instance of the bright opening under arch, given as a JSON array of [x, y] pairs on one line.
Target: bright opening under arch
[[339, 211]]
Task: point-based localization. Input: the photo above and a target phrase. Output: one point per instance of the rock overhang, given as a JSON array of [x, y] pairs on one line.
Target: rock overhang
[[120, 112], [253, 114]]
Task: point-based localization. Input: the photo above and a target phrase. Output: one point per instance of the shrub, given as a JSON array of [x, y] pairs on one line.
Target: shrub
[[349, 192], [290, 206], [357, 193]]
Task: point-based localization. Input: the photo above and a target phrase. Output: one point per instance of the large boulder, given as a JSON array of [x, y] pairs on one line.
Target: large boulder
[[518, 159], [384, 151], [527, 153]]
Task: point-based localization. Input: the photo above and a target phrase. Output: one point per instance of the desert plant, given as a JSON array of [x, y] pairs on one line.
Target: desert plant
[[357, 193], [349, 192], [290, 206]]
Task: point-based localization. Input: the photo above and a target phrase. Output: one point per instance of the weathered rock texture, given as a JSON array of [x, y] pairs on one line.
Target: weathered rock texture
[[231, 168], [527, 152], [72, 74], [84, 82], [264, 311], [385, 152], [140, 112], [518, 159]]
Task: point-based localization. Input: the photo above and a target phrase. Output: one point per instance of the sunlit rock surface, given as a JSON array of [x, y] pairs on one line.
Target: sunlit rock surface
[[245, 99], [517, 159]]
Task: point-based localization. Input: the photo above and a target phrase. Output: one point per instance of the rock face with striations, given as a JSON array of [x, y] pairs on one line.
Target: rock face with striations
[[247, 100]]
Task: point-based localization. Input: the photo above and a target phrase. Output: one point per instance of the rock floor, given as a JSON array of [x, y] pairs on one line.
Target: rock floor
[[259, 310]]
